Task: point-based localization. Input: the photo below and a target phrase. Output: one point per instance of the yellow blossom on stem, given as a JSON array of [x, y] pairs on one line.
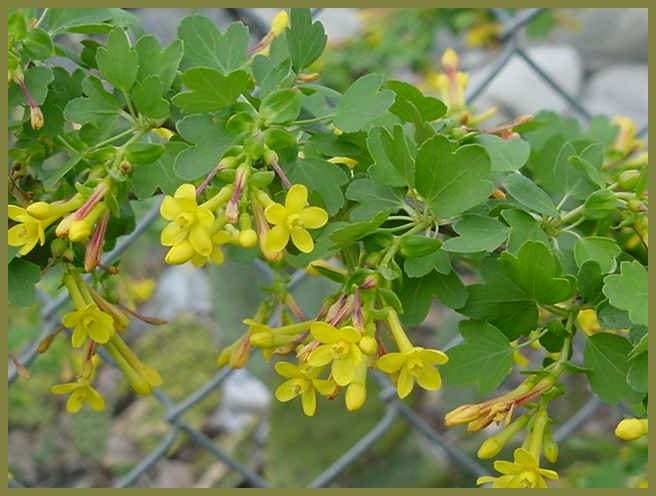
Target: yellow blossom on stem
[[89, 322], [339, 347], [189, 222], [356, 391], [80, 392], [632, 428], [524, 472], [292, 220], [29, 231], [302, 381]]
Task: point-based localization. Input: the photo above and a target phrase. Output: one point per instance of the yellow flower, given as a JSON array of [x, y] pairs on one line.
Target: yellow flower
[[339, 346], [280, 23], [189, 222], [81, 392], [28, 231], [356, 392], [89, 322], [587, 320], [347, 161], [216, 256], [416, 364], [303, 381], [292, 219], [524, 471]]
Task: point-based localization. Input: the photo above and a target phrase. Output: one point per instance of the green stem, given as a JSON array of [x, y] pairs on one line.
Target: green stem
[[531, 340], [42, 17], [563, 312], [133, 114], [312, 121], [112, 139], [70, 281]]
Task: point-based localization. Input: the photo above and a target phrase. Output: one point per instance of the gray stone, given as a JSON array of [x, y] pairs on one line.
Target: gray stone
[[169, 473], [606, 36], [519, 90], [619, 90], [181, 288]]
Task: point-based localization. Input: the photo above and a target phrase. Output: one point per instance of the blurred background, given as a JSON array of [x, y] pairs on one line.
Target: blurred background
[[232, 432]]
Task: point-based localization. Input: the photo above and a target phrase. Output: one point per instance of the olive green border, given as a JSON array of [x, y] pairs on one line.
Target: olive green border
[[196, 3]]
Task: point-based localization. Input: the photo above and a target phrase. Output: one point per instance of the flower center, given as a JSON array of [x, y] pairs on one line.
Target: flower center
[[340, 349], [415, 366], [23, 232], [88, 321], [299, 386], [184, 220], [294, 222], [528, 478]]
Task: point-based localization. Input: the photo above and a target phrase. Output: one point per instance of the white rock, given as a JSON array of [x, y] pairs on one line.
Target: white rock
[[244, 398], [619, 90], [519, 89], [181, 288]]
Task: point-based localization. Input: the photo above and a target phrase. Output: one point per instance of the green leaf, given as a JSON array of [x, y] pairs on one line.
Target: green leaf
[[500, 301], [452, 183], [537, 271], [209, 90], [205, 45], [38, 45], [523, 227], [372, 198], [640, 347], [98, 104], [449, 289], [573, 178], [505, 155], [604, 251], [410, 104], [323, 179], [393, 163], [50, 181], [146, 179], [280, 106], [117, 61], [346, 236], [484, 359], [590, 281], [37, 80], [69, 19], [305, 39], [416, 294], [143, 153], [22, 277], [362, 103], [211, 140], [529, 194], [155, 61], [420, 266], [606, 354], [147, 98], [629, 291], [611, 317], [637, 375], [477, 233]]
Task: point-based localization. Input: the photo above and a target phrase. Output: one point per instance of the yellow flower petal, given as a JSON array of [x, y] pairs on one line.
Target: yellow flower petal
[[186, 191], [302, 240], [391, 362], [78, 337], [296, 198], [14, 212], [350, 334], [94, 399], [170, 208], [342, 371], [200, 241], [525, 458], [198, 260], [276, 239], [275, 214], [405, 384], [309, 401], [313, 217], [356, 395], [321, 356], [179, 253], [325, 387], [64, 388], [286, 391], [429, 378], [505, 467], [205, 217], [75, 401], [434, 357], [217, 257], [172, 234], [286, 369], [550, 474], [324, 332]]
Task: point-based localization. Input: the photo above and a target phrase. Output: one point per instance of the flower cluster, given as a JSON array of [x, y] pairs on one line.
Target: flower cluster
[[336, 350]]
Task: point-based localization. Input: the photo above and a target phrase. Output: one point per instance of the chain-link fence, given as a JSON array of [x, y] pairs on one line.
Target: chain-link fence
[[394, 408]]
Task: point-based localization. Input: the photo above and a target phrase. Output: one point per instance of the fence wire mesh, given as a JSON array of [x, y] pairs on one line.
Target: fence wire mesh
[[510, 39]]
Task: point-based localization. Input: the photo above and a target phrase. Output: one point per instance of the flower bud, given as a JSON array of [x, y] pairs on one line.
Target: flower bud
[[368, 345], [631, 429], [36, 117], [356, 395], [40, 210], [549, 446], [248, 238], [79, 231], [489, 449], [463, 414], [449, 59], [179, 254], [280, 23], [628, 179]]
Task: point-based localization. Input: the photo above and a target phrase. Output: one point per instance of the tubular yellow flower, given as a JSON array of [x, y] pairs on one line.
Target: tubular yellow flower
[[347, 161], [339, 346], [217, 257], [292, 220], [29, 231], [524, 471], [416, 364], [302, 381], [80, 392], [632, 428], [89, 322], [356, 392], [189, 222]]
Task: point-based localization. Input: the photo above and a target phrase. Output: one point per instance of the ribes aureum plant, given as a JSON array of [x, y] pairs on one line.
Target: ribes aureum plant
[[395, 196]]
